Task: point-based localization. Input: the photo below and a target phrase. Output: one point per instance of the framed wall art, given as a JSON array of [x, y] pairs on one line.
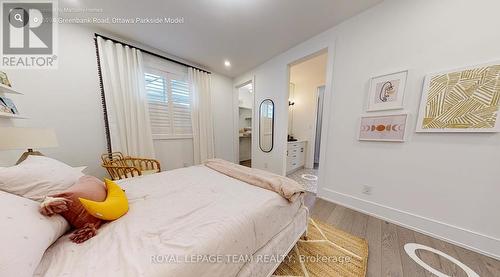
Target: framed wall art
[[461, 100], [387, 92], [383, 127]]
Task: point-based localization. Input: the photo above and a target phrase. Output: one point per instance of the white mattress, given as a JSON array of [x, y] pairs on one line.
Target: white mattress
[[185, 222], [277, 248]]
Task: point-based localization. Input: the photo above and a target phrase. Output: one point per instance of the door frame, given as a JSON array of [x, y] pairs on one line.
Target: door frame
[[314, 131], [326, 99], [236, 113]]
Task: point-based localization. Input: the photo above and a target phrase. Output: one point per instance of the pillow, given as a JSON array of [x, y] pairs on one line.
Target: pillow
[[114, 207], [25, 234], [68, 205], [38, 176]]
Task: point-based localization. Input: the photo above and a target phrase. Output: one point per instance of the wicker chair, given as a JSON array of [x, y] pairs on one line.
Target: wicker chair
[[121, 167]]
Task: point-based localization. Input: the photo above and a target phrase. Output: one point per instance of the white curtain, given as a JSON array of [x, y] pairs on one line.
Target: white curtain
[[126, 100], [201, 115]]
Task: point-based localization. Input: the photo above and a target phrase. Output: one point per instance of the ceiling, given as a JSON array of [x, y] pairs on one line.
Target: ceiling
[[245, 32]]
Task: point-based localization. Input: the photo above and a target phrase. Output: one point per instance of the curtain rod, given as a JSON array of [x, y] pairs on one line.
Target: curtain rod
[[151, 53]]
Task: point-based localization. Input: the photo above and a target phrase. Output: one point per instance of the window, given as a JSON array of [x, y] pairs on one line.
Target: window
[[169, 100]]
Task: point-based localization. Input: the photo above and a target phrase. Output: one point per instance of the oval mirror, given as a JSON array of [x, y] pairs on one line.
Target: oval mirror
[[266, 125]]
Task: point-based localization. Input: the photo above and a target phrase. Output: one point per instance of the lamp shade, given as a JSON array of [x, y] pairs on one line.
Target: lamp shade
[[23, 138]]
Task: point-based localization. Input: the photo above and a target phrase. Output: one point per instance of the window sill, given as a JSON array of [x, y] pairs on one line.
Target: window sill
[[171, 137]]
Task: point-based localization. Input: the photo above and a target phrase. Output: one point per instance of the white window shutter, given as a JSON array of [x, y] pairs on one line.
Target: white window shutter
[[181, 100], [169, 100]]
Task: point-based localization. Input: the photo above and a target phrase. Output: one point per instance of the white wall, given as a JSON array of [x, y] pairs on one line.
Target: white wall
[[222, 100], [443, 184], [68, 99], [174, 153], [269, 81]]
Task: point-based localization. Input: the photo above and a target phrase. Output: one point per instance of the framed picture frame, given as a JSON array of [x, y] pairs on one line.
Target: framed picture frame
[[463, 100], [387, 91], [391, 127]]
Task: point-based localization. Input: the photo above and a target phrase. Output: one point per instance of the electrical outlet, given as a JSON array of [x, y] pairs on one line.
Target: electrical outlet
[[186, 164], [367, 190]]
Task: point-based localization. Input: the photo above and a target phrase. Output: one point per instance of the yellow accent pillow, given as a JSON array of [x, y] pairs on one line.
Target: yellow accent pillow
[[113, 207]]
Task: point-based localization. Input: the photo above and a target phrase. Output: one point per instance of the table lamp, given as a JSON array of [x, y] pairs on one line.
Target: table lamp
[[12, 138]]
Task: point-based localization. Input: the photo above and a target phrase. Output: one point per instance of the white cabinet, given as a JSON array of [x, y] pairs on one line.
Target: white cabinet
[[295, 155], [245, 148]]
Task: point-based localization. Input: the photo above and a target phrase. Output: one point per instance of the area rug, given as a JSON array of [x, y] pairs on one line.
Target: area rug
[[326, 252], [306, 177]]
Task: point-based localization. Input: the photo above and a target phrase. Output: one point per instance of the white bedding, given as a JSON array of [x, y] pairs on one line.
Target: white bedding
[[174, 217], [281, 244]]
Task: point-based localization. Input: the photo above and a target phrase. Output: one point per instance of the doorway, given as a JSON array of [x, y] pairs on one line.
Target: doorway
[[306, 94], [245, 123], [320, 96]]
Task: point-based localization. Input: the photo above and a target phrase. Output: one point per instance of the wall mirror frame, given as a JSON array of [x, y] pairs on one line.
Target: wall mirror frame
[[266, 125]]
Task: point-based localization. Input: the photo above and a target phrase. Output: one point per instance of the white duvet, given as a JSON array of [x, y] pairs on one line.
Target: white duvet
[[185, 222]]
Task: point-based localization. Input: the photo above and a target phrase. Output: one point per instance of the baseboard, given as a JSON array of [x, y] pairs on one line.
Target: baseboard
[[471, 240]]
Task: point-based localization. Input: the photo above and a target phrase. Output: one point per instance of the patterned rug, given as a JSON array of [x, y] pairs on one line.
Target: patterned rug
[[326, 252]]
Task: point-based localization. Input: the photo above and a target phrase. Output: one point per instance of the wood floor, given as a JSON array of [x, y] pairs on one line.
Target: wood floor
[[247, 163], [386, 241]]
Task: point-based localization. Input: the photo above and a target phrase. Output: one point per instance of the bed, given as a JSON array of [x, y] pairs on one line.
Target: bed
[[187, 222]]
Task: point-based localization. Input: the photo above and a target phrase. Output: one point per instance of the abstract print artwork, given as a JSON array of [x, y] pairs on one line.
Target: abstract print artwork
[[464, 100], [387, 92], [383, 128]]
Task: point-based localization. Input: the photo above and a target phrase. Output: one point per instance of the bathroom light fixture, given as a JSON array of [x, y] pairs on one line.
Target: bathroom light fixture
[[227, 63]]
